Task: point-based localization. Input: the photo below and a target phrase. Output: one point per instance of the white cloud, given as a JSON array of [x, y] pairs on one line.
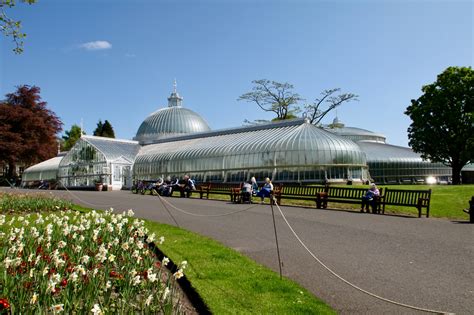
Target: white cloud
[[96, 45]]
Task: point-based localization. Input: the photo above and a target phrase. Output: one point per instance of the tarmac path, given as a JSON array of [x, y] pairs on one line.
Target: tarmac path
[[423, 262]]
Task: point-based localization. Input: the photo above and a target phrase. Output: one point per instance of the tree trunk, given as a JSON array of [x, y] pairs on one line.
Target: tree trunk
[[456, 174], [12, 171]]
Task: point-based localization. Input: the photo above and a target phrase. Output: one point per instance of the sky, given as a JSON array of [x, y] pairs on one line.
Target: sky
[[117, 59]]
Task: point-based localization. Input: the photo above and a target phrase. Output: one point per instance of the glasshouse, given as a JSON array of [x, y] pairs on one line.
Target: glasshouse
[[46, 170], [98, 160], [294, 151], [390, 163], [174, 141]]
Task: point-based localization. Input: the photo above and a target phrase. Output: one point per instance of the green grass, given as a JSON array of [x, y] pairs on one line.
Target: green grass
[[447, 201], [231, 283]]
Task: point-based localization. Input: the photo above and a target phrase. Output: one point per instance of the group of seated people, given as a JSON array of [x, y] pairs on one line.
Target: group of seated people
[[250, 189], [167, 186]]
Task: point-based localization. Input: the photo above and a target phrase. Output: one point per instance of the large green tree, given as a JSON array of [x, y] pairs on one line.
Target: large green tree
[[104, 129], [442, 127], [279, 98], [28, 129], [11, 27], [71, 136]]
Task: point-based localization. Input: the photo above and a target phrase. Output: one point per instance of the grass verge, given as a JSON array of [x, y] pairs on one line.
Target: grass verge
[[447, 201], [232, 283]]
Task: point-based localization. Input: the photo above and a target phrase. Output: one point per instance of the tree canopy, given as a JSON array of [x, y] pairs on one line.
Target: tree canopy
[[28, 129], [279, 98], [71, 136], [11, 27], [442, 127], [272, 96], [104, 129]]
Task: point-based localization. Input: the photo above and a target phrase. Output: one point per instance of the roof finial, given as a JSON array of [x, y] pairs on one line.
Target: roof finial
[[174, 86]]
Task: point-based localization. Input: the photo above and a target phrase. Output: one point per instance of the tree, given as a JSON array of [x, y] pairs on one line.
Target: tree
[[272, 96], [104, 129], [279, 98], [10, 27], [314, 111], [71, 136], [28, 129], [442, 127]]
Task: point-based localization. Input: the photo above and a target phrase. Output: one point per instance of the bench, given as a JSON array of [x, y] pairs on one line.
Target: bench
[[408, 198], [230, 189], [470, 211], [298, 192], [346, 195]]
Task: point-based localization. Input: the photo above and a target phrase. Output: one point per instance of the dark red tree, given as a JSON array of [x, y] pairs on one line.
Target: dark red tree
[[28, 129]]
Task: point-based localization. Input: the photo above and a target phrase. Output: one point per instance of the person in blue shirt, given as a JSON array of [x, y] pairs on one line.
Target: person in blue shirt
[[266, 190], [370, 198]]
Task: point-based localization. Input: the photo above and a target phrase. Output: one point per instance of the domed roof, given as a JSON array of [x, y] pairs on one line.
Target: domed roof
[[353, 133], [173, 120]]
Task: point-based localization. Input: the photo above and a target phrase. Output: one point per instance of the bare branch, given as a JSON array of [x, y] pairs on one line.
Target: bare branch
[[316, 114]]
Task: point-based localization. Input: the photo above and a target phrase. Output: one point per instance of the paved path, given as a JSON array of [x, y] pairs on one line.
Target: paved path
[[424, 262]]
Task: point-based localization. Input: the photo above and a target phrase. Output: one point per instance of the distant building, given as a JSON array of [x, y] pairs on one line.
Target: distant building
[[174, 140]]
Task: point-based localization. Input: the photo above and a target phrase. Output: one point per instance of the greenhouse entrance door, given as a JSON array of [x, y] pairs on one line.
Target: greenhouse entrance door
[[121, 174]]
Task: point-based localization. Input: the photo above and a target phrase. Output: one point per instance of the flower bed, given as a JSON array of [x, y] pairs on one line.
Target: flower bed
[[81, 263], [23, 203]]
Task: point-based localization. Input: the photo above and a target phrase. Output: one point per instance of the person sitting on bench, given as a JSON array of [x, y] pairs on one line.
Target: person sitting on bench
[[266, 190], [186, 186], [246, 193], [369, 198], [254, 184]]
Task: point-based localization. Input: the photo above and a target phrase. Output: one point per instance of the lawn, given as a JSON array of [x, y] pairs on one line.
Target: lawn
[[231, 283], [447, 201]]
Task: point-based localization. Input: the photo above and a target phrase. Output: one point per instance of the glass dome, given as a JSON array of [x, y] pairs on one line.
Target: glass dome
[[172, 121], [353, 133]]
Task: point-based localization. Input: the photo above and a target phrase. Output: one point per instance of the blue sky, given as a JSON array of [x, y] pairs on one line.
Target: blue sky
[[384, 51]]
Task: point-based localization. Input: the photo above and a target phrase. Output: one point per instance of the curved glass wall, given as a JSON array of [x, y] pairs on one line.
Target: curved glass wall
[[393, 164], [288, 152], [47, 170]]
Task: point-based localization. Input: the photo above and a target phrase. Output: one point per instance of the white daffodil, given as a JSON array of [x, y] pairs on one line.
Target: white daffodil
[[136, 280], [85, 259], [165, 261], [148, 300], [152, 277], [96, 310], [165, 294], [57, 308], [178, 274], [34, 298]]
